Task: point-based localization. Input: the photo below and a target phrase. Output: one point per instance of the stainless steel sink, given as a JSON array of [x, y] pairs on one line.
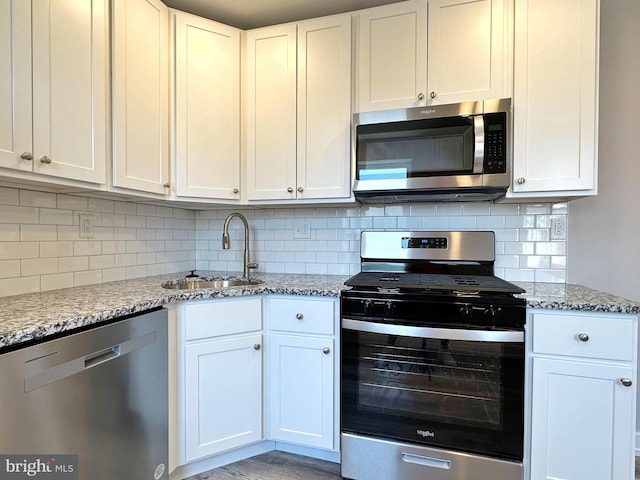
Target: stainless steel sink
[[195, 284]]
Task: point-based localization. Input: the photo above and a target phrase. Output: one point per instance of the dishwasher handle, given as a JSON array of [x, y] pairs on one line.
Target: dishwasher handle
[[102, 356], [80, 364]]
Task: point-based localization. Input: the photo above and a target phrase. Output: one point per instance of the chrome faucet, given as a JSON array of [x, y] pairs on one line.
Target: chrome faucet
[[246, 263]]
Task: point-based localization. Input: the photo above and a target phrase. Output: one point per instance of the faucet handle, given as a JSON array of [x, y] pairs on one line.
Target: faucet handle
[[252, 265]]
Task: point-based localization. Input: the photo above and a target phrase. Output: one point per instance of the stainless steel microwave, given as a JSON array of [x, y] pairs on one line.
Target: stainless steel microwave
[[443, 152]]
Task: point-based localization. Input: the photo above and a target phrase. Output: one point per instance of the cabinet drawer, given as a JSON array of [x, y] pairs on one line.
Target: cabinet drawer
[[302, 315], [603, 336], [222, 317]]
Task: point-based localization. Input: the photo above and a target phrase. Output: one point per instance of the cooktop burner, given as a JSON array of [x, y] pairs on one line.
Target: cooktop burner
[[425, 281]]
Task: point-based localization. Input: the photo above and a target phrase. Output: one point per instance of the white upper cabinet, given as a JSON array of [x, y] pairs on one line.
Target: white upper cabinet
[[298, 110], [464, 47], [53, 88], [555, 100], [271, 113], [324, 108], [392, 56], [207, 108], [468, 50], [140, 95]]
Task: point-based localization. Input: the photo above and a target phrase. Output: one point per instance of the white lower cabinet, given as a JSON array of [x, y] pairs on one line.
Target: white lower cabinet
[[302, 370], [582, 396], [222, 355]]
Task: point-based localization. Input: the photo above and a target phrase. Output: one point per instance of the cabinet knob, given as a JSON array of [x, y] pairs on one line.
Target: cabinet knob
[[235, 190], [626, 382], [27, 156], [521, 180], [166, 185], [421, 96], [433, 94], [256, 346], [289, 189], [299, 316], [46, 160], [326, 350], [300, 189], [583, 337]]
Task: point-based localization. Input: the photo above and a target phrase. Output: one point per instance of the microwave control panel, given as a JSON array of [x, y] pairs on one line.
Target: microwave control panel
[[495, 143]]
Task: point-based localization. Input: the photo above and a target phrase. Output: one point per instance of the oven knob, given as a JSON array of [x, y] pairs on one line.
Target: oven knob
[[465, 313], [389, 308], [490, 315], [366, 307]]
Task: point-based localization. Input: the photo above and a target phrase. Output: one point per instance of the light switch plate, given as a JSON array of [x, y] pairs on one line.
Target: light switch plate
[[301, 229]]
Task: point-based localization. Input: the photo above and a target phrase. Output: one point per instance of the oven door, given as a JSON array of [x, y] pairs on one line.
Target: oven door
[[455, 389]]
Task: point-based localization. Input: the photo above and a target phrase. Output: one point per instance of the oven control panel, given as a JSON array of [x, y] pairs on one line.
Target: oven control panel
[[424, 242]]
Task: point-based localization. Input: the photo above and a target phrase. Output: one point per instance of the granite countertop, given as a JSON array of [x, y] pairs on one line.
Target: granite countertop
[[30, 317]]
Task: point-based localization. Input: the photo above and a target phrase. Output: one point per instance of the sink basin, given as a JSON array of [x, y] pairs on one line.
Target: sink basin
[[195, 284]]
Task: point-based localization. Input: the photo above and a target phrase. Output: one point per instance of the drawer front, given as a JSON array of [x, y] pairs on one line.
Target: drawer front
[[213, 318], [595, 336], [302, 315]]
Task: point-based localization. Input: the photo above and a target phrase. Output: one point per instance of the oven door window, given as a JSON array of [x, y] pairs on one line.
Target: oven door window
[[463, 395], [420, 148]]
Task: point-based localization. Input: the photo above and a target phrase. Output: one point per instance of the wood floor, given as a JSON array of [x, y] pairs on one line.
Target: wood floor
[[286, 466], [275, 466]]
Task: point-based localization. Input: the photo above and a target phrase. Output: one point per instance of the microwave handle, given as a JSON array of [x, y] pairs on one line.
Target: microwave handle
[[469, 335], [478, 152]]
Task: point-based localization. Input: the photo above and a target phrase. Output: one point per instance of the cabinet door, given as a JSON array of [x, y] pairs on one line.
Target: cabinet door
[[324, 108], [301, 390], [555, 102], [140, 95], [468, 64], [392, 56], [271, 113], [207, 108], [223, 398], [15, 84], [70, 88], [582, 421]]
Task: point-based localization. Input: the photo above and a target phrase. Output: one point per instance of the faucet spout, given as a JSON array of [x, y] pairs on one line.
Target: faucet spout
[[226, 243]]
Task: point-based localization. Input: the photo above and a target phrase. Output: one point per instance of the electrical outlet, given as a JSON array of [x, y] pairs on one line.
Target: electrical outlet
[[558, 228], [301, 229], [87, 225]]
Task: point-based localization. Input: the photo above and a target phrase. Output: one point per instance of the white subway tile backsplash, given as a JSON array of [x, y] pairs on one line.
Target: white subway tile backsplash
[[41, 248], [9, 268]]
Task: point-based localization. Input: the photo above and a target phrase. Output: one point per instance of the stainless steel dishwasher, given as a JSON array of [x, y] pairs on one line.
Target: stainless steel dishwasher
[[100, 394]]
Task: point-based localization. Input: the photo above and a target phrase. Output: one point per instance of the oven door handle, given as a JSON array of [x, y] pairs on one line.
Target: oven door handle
[[511, 336]]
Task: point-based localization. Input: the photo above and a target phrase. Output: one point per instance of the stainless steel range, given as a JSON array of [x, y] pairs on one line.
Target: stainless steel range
[[432, 382]]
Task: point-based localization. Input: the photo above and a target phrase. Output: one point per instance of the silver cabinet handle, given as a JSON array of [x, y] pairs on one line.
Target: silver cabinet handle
[[433, 94], [289, 189], [521, 180], [421, 96], [326, 350], [46, 160], [256, 346], [299, 316], [235, 190], [27, 156], [626, 382], [300, 189], [583, 337]]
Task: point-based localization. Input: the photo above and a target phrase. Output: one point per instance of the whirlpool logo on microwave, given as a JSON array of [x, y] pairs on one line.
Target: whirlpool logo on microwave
[[49, 467], [423, 434]]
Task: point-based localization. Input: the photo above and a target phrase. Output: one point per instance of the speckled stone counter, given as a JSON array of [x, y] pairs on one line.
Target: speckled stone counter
[[557, 296], [30, 317]]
